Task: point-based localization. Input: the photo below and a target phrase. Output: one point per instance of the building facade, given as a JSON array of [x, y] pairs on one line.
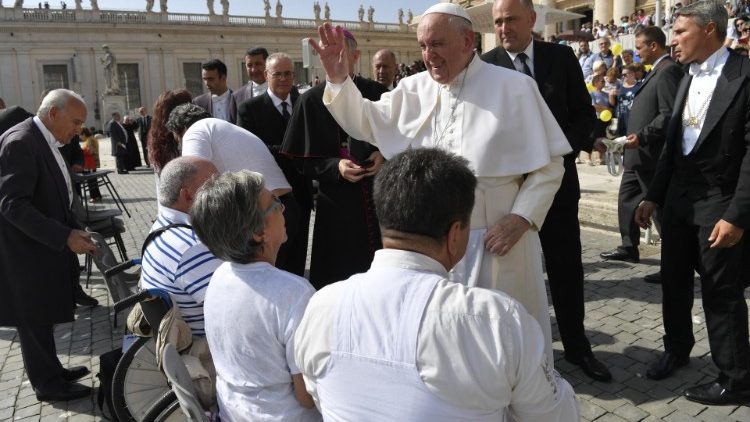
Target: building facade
[[156, 51]]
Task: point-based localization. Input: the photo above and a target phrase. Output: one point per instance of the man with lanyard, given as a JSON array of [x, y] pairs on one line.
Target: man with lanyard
[[508, 134]]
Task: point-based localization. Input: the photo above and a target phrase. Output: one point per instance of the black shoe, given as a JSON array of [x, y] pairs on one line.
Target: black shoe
[[593, 368], [66, 392], [654, 278], [622, 254], [717, 392], [122, 172], [83, 299], [666, 365], [74, 373]]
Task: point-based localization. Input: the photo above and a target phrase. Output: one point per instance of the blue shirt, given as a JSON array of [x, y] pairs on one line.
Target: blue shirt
[[179, 263]]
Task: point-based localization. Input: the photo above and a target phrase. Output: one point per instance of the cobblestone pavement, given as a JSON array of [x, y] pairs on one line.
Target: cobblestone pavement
[[623, 323]]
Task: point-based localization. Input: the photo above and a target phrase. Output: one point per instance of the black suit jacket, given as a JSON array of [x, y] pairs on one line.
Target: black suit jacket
[[720, 188], [118, 139], [36, 265], [144, 124], [650, 113], [560, 80], [261, 117], [205, 102], [12, 116]]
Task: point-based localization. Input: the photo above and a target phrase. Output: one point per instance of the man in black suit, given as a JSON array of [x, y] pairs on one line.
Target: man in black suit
[[257, 84], [647, 127], [119, 142], [218, 101], [39, 240], [144, 125], [560, 81], [702, 183], [267, 116], [12, 116]]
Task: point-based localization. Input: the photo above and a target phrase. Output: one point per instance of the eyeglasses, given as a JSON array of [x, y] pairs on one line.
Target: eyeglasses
[[280, 75], [276, 203]]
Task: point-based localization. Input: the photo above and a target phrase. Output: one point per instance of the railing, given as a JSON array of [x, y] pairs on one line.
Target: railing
[[9, 14]]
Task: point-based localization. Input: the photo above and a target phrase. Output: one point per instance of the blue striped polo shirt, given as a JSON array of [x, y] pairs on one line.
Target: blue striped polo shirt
[[179, 263]]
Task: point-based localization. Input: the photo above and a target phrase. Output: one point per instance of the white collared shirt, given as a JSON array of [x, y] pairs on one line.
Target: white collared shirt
[[656, 63], [220, 106], [705, 76], [277, 102], [258, 89], [54, 144], [518, 64]]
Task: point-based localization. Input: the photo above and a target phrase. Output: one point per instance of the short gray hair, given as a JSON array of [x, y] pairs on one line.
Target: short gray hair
[[176, 174], [226, 214], [183, 116], [705, 12], [57, 98], [279, 56]]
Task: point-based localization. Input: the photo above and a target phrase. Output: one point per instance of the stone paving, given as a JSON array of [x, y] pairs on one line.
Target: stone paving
[[623, 323]]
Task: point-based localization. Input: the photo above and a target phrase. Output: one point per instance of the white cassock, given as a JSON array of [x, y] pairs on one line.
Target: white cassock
[[496, 119]]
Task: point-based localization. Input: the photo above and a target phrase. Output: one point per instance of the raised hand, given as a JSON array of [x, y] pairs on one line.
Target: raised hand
[[333, 52]]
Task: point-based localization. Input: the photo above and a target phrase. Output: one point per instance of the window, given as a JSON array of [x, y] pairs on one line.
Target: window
[[130, 85], [55, 76], [193, 80]]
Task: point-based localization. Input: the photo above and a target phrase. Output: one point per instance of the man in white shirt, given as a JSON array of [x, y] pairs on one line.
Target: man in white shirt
[[508, 134], [218, 101], [255, 64], [702, 183], [425, 348]]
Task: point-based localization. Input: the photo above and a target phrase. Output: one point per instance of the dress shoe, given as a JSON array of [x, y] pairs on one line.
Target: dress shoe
[[122, 172], [593, 368], [654, 278], [83, 299], [74, 373], [622, 254], [66, 392], [666, 365], [717, 392]]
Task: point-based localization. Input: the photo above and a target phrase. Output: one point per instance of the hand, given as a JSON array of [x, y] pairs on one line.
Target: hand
[[501, 237], [333, 52], [80, 241], [725, 235], [599, 146], [643, 214], [633, 141], [377, 162], [351, 171], [77, 168]]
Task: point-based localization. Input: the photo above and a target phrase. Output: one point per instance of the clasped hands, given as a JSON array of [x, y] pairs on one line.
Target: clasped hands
[[356, 172]]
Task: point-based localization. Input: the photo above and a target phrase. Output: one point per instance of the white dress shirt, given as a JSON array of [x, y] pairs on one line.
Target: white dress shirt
[[705, 76], [220, 105], [518, 64], [54, 144], [258, 89], [277, 102]]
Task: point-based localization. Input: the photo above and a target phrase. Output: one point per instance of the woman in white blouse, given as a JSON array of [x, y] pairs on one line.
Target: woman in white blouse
[[252, 309]]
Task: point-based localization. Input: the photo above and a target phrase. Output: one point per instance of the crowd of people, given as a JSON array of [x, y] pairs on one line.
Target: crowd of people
[[425, 297]]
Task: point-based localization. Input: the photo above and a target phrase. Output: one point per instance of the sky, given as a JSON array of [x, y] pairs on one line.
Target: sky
[[385, 10]]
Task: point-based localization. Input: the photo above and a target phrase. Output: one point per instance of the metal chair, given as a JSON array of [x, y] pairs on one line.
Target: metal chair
[[120, 285]]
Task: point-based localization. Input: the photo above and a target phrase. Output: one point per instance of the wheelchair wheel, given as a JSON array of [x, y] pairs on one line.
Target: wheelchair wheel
[[160, 407], [137, 382], [172, 413]]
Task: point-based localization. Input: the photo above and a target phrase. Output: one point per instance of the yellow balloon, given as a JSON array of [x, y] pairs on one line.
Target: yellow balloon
[[647, 67], [605, 116], [590, 87], [617, 49]]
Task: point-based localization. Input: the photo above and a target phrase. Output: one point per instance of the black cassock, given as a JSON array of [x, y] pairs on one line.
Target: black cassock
[[346, 233], [133, 159]]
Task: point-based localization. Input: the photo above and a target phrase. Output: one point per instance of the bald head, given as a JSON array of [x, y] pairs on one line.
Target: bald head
[[384, 67], [181, 178]]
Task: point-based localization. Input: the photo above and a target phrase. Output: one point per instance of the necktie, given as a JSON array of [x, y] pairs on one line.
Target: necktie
[[285, 112], [526, 69]]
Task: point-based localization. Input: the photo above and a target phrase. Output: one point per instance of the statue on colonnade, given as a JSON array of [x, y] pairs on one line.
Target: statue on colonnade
[[279, 8], [225, 7], [163, 6], [370, 14], [149, 6], [267, 7], [327, 11], [400, 16], [316, 10], [210, 6], [111, 77]]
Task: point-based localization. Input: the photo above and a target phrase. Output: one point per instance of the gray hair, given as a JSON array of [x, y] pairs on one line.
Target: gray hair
[[705, 12], [278, 56], [176, 174], [226, 214], [59, 99], [183, 116]]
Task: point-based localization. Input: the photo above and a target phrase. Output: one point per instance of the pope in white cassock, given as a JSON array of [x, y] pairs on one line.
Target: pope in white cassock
[[493, 117]]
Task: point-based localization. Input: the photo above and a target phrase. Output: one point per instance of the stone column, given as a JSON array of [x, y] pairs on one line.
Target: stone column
[[550, 29], [623, 8], [603, 10]]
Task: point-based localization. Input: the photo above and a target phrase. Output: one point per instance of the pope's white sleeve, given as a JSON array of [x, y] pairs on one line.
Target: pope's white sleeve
[[537, 192], [347, 106]]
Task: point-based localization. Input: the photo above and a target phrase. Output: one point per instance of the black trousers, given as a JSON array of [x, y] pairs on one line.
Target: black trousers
[[685, 248], [633, 188], [293, 253], [561, 243], [40, 356]]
